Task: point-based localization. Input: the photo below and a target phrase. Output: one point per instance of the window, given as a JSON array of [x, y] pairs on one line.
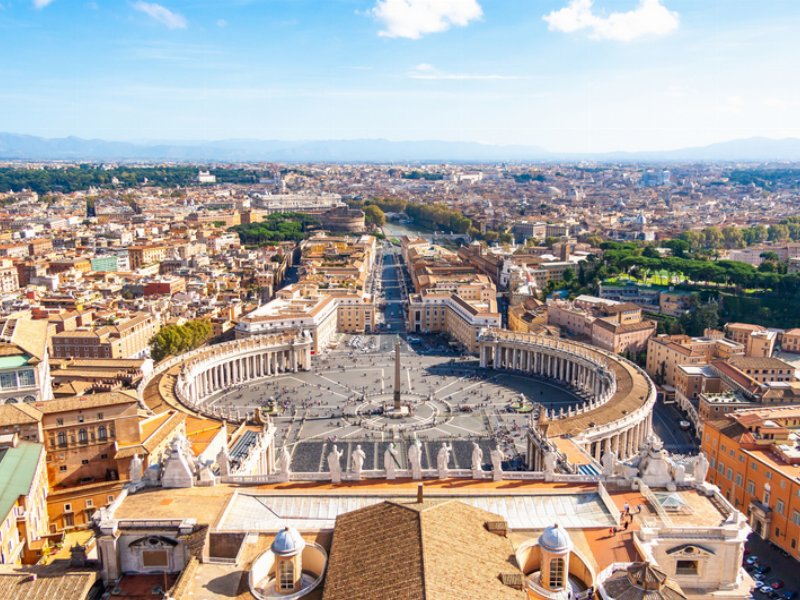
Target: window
[[63, 468], [8, 381], [110, 499], [686, 567], [27, 378], [80, 418], [62, 438], [104, 456], [102, 433], [751, 488], [85, 461], [89, 503], [59, 421], [768, 475], [796, 517], [738, 480], [729, 474], [69, 520], [779, 507], [99, 416], [286, 575], [83, 438], [67, 507], [556, 573]]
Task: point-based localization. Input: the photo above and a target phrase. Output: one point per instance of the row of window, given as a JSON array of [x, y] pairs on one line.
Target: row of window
[[84, 436]]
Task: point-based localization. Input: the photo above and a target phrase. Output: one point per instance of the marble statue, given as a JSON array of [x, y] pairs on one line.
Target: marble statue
[[415, 458], [357, 461], [443, 460], [477, 457], [550, 461], [224, 462], [136, 469], [333, 464], [497, 463], [284, 464], [205, 474], [390, 461], [679, 473], [700, 468], [609, 461]]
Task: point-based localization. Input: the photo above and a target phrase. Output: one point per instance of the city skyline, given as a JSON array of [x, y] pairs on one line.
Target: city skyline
[[569, 76]]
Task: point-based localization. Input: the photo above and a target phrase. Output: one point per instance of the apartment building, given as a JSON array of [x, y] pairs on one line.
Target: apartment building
[[665, 353], [755, 461], [128, 337], [24, 360], [614, 326], [434, 311], [82, 433], [9, 277], [790, 341], [146, 255], [305, 307], [23, 499], [757, 340]]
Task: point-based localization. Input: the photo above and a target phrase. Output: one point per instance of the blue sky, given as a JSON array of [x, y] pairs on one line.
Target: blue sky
[[567, 75]]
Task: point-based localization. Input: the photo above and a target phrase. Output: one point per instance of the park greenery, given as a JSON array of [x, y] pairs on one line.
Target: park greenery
[[768, 179], [83, 177], [736, 291], [427, 176], [277, 227], [175, 339]]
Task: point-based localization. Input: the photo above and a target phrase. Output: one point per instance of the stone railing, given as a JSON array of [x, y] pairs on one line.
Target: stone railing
[[406, 474]]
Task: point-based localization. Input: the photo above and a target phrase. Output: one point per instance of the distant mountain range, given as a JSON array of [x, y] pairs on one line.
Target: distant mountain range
[[26, 147]]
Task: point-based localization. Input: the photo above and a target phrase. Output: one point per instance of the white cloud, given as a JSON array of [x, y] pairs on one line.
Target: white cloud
[[650, 17], [222, 23], [40, 4], [414, 18], [426, 71], [162, 14]]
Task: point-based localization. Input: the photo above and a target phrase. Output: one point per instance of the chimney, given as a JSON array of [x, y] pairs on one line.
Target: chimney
[[420, 494]]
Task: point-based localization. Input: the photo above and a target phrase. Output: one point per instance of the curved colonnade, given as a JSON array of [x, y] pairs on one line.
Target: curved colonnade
[[203, 372], [617, 414], [618, 396]]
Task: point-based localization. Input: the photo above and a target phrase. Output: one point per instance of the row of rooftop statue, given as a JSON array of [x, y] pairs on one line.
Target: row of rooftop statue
[[391, 463], [652, 466]]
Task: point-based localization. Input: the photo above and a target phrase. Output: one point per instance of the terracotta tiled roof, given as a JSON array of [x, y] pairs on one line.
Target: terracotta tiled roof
[[434, 550], [84, 402], [18, 414], [52, 582]]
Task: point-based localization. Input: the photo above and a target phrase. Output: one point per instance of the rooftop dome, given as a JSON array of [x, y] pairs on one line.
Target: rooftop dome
[[288, 541], [555, 539]]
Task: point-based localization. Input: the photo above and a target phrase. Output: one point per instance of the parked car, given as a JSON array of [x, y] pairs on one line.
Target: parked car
[[685, 425], [763, 569], [789, 595], [777, 584], [766, 590], [751, 560]]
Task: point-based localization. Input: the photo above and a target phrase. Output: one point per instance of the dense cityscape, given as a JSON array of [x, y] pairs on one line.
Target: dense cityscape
[[399, 300], [181, 351]]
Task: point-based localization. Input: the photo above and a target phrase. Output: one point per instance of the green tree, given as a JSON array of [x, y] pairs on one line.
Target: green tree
[[175, 339], [374, 216]]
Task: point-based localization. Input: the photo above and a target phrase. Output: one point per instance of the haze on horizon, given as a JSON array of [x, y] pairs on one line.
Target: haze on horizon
[[565, 75]]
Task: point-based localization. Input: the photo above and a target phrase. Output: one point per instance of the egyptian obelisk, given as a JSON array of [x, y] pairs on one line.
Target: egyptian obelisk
[[397, 375]]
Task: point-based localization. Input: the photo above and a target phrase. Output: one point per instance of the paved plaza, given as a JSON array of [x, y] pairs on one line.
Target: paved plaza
[[342, 400]]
